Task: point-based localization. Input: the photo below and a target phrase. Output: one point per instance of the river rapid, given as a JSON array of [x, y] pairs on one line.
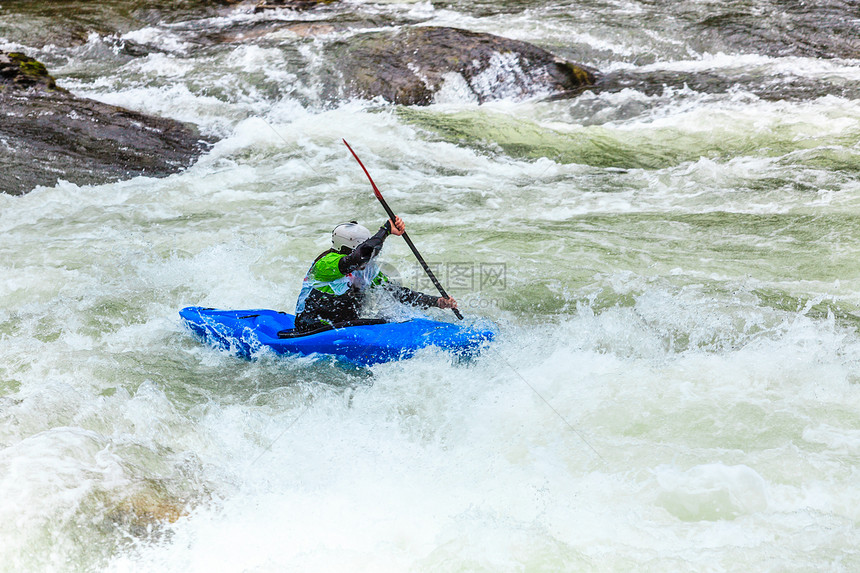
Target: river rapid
[[670, 262]]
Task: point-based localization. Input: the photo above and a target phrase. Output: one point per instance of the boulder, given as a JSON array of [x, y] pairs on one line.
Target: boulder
[[410, 67], [49, 134]]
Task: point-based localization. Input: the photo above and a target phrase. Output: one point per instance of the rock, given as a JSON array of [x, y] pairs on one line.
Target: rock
[[21, 71], [63, 23], [49, 134], [411, 66], [801, 29], [291, 4], [245, 32]]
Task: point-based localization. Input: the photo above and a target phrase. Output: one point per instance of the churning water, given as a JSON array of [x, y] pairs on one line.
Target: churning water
[[671, 264]]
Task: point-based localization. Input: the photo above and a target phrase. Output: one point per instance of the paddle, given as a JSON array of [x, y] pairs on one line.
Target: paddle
[[405, 236]]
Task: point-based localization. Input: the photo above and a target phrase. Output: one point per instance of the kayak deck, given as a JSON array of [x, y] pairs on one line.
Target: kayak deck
[[246, 333]]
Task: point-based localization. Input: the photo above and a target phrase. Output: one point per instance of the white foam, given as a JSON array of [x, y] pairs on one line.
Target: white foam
[[712, 491], [158, 37], [673, 386]]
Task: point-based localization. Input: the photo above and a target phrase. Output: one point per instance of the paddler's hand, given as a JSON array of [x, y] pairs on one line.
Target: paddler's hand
[[446, 302], [396, 227]]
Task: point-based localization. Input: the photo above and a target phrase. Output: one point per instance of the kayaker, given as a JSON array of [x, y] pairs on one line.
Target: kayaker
[[333, 289]]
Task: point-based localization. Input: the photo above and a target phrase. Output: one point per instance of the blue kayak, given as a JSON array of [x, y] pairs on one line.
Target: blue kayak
[[362, 342]]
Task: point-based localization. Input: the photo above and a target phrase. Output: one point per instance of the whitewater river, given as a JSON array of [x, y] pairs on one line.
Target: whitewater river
[[671, 264]]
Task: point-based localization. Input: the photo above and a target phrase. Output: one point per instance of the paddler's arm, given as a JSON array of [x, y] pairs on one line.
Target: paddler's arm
[[415, 298], [409, 296], [368, 249]]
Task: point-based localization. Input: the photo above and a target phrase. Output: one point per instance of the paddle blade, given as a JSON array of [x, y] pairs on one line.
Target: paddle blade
[[369, 178]]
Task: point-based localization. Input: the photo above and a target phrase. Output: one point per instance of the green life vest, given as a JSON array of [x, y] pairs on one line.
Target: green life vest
[[325, 276]]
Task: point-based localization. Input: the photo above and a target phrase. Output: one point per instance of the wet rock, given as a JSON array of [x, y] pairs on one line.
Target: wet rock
[[18, 71], [411, 66], [63, 23], [796, 28], [764, 86], [144, 511], [246, 32], [291, 4], [48, 134]]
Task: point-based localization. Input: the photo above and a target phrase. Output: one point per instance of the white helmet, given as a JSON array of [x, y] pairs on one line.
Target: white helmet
[[348, 235]]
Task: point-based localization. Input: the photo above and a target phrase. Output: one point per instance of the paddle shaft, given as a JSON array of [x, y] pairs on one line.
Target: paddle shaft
[[409, 242]]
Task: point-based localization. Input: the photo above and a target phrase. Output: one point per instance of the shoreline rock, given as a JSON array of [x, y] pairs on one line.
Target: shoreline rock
[[49, 134]]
